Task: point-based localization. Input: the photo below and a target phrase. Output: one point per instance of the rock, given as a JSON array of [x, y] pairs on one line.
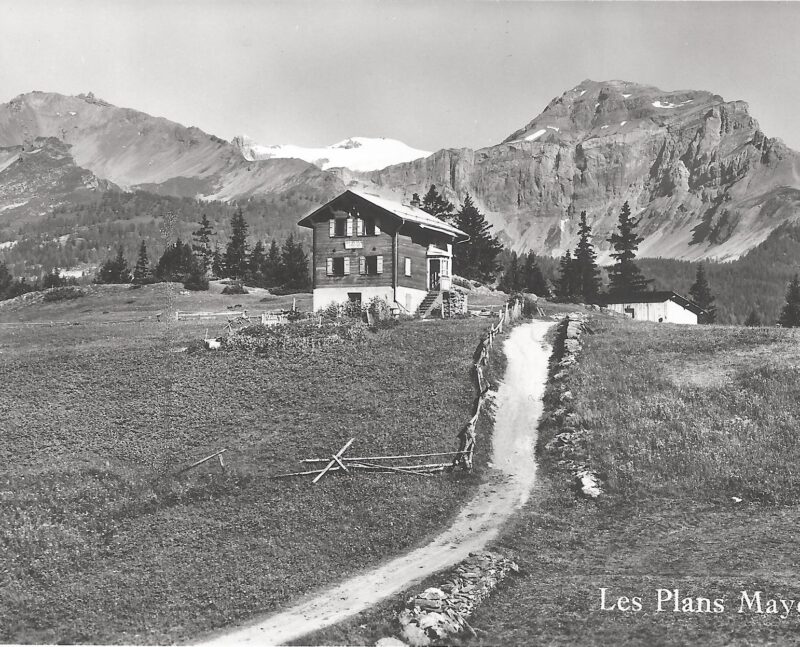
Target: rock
[[390, 642], [415, 636]]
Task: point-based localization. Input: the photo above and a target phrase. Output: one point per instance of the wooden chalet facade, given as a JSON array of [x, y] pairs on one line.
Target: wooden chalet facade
[[366, 246]]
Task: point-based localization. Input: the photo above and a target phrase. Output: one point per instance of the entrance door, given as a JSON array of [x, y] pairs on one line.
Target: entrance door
[[434, 273]]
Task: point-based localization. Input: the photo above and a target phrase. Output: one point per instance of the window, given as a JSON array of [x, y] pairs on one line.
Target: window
[[339, 266], [408, 266], [340, 227], [370, 228], [370, 265], [354, 298]]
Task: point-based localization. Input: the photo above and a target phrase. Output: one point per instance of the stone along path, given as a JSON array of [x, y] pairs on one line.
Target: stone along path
[[518, 408]]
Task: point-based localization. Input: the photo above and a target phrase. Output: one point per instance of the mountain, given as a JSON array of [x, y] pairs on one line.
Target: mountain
[[355, 153], [699, 172]]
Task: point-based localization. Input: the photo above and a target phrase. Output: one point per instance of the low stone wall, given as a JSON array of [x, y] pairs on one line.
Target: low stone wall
[[569, 445], [435, 614]]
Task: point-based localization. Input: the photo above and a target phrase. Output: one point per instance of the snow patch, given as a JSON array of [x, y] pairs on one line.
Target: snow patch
[[582, 93], [554, 128], [536, 135], [6, 207], [72, 113], [355, 153], [601, 127], [626, 95], [596, 104], [660, 104], [622, 123]]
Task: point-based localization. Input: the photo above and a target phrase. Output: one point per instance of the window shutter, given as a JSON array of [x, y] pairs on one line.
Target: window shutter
[[332, 228], [377, 230], [346, 265], [330, 267], [349, 226], [360, 226], [408, 266], [380, 264], [362, 264]]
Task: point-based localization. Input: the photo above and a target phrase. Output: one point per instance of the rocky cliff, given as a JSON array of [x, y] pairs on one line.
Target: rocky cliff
[[698, 171]]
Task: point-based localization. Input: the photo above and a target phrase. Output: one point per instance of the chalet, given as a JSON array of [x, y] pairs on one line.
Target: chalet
[[366, 246], [663, 306]]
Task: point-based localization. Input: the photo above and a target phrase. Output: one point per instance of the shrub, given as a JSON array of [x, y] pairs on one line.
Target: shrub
[[379, 308], [303, 335], [283, 290], [198, 282], [234, 288], [63, 294], [346, 310]]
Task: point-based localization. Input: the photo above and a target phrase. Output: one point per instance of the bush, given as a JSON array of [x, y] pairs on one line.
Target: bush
[[346, 310], [379, 308], [283, 290], [234, 288], [63, 294], [198, 282], [303, 335]]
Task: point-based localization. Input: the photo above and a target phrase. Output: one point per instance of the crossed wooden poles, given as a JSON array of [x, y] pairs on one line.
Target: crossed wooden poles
[[338, 462]]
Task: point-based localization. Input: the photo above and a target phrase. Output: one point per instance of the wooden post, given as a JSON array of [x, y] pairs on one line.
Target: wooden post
[[336, 457]]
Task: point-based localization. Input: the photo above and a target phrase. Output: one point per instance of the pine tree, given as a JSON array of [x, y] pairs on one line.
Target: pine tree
[[256, 263], [217, 263], [790, 315], [701, 295], [511, 281], [273, 266], [476, 258], [437, 205], [236, 251], [585, 261], [568, 284], [532, 278], [141, 272], [295, 264], [626, 280], [201, 244], [753, 319], [115, 270], [176, 263]]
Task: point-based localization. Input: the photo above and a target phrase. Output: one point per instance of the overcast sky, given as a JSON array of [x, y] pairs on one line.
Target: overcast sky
[[431, 73]]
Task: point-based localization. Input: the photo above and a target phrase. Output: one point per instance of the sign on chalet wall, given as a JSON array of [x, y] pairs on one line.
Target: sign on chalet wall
[[353, 244]]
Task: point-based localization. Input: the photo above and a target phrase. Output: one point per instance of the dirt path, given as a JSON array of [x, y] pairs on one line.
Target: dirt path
[[519, 406]]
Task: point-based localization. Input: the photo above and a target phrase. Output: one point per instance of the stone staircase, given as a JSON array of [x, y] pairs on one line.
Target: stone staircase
[[431, 300]]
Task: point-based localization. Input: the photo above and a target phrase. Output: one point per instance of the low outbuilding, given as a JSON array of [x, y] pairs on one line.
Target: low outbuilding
[[659, 306]]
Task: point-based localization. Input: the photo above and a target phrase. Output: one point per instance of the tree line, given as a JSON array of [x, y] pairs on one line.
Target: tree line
[[283, 267]]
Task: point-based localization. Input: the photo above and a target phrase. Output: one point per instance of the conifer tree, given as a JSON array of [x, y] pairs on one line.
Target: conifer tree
[[201, 244], [476, 258], [568, 284], [273, 266], [217, 263], [256, 263], [175, 263], [790, 315], [511, 281], [141, 272], [115, 270], [701, 295], [236, 251], [585, 262], [532, 278], [626, 280], [295, 264], [437, 205]]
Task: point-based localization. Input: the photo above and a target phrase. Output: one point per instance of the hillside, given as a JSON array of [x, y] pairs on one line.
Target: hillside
[[706, 181]]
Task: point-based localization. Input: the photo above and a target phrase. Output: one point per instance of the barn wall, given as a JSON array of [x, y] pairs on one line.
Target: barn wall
[[667, 311], [678, 314]]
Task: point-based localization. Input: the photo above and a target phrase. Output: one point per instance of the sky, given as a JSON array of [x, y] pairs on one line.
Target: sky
[[431, 73]]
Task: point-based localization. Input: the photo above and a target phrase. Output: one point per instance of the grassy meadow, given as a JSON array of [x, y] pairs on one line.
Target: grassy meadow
[[101, 541], [695, 431]]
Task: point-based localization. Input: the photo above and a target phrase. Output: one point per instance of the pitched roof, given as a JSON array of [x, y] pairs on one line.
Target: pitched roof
[[399, 210], [657, 296]]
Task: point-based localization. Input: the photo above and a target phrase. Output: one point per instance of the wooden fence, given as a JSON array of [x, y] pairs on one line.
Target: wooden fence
[[511, 312]]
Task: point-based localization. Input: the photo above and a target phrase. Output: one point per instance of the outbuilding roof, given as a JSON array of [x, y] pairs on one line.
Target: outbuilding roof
[[657, 296], [404, 212]]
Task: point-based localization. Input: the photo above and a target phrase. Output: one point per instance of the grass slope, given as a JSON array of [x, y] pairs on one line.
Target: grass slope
[[102, 543], [682, 420]]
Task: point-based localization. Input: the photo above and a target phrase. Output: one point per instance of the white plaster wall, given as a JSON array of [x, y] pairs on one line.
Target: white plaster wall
[[323, 297], [412, 296], [669, 312]]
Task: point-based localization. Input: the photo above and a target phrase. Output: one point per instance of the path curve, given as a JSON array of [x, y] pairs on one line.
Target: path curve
[[518, 408]]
